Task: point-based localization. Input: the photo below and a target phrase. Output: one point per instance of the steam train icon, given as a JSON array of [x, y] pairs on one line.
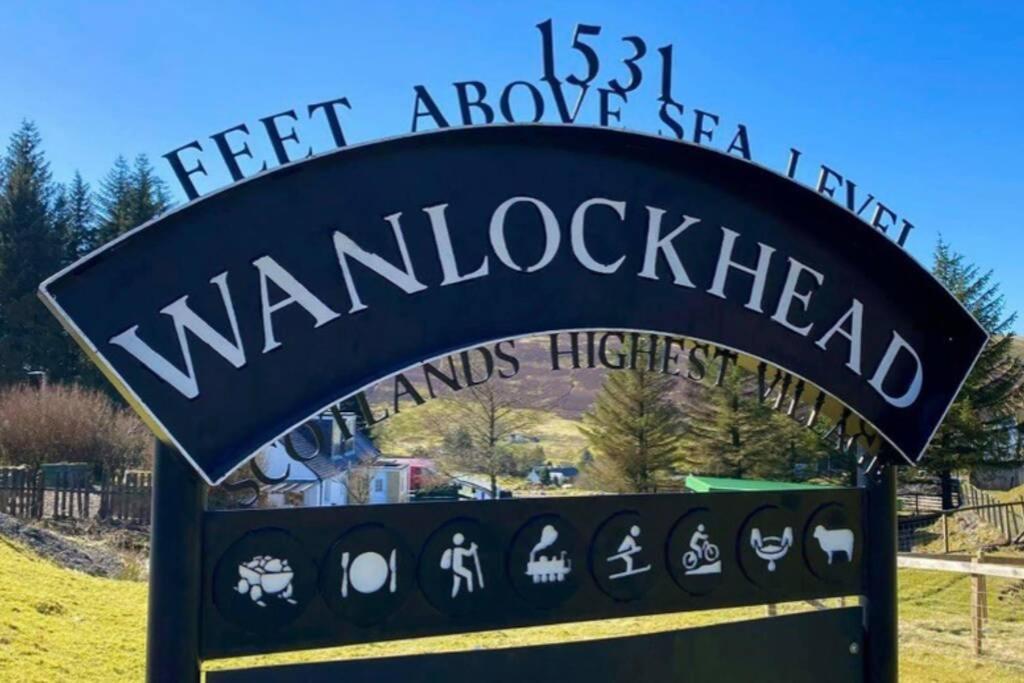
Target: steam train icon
[[545, 569]]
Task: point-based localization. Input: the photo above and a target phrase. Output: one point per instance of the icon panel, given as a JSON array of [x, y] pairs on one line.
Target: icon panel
[[264, 581], [368, 573], [543, 561]]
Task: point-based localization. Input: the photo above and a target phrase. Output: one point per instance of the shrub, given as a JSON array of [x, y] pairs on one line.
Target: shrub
[[69, 423]]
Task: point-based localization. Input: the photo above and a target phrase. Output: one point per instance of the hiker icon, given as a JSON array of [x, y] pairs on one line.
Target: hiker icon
[[703, 555], [627, 549], [454, 558]]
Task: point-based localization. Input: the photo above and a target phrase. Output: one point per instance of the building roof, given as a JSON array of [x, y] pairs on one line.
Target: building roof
[[323, 466], [291, 487], [706, 484], [424, 463]]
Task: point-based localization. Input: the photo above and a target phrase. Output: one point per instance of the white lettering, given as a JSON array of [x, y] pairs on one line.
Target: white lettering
[[186, 319], [552, 235], [443, 241], [271, 270], [403, 278], [664, 245], [579, 245], [790, 294], [856, 317], [725, 262], [898, 344]]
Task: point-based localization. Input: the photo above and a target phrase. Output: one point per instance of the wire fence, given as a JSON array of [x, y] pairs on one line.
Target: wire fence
[[962, 577], [968, 615], [987, 526]]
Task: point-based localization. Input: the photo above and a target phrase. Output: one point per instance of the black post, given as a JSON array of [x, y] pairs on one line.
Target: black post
[[172, 640], [880, 613]]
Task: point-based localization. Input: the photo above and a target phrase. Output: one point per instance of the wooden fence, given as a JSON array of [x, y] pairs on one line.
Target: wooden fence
[[70, 495], [21, 492], [917, 504], [127, 497], [1007, 516]]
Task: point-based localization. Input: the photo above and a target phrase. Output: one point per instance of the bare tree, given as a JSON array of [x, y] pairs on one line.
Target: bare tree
[[357, 484], [483, 417]]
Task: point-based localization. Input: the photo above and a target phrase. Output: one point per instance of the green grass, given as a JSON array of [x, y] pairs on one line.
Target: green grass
[[422, 427], [58, 625], [61, 625]]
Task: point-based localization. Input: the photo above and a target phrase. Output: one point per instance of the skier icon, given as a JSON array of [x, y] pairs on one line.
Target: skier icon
[[627, 549], [454, 558], [703, 555]]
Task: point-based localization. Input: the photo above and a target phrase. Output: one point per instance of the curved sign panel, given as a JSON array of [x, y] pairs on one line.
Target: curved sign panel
[[233, 319]]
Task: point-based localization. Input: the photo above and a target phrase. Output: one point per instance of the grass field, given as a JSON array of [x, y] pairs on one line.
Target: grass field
[[423, 427], [58, 625]]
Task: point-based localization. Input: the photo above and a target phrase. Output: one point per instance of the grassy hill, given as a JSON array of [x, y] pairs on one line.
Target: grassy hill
[[422, 428], [57, 625]]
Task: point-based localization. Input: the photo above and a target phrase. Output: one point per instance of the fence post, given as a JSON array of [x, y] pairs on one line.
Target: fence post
[[881, 609], [976, 613], [1004, 518], [979, 604], [39, 491], [945, 533], [175, 568]]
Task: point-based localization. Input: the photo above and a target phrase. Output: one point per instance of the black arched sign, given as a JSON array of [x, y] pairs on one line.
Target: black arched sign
[[231, 320]]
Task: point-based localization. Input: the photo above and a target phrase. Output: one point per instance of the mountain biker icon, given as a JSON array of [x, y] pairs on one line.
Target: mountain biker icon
[[703, 555], [695, 560]]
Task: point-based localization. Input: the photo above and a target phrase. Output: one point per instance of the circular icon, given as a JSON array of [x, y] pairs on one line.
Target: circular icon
[[459, 567], [542, 562], [766, 547], [621, 558], [831, 547], [367, 574], [264, 580], [693, 554]]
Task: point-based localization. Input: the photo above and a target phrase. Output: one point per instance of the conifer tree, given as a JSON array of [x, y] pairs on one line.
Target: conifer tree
[[76, 215], [732, 432], [116, 202], [635, 430], [149, 197], [982, 425], [729, 432], [30, 251]]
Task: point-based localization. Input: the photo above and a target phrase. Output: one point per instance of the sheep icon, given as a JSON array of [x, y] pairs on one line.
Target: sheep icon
[[835, 541]]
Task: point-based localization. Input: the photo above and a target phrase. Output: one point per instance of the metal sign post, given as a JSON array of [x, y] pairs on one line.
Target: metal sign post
[[175, 561], [881, 612]]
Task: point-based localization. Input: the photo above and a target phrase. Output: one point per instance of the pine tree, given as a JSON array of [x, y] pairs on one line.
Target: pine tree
[[982, 424], [30, 251], [731, 433], [734, 431], [148, 197], [116, 202], [130, 195], [76, 215], [635, 430]]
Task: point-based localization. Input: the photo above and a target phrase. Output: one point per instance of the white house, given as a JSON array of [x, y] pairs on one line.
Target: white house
[[318, 470], [556, 476]]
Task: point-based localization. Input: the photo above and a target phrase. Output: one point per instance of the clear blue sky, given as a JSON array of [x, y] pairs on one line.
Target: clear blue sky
[[922, 107]]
